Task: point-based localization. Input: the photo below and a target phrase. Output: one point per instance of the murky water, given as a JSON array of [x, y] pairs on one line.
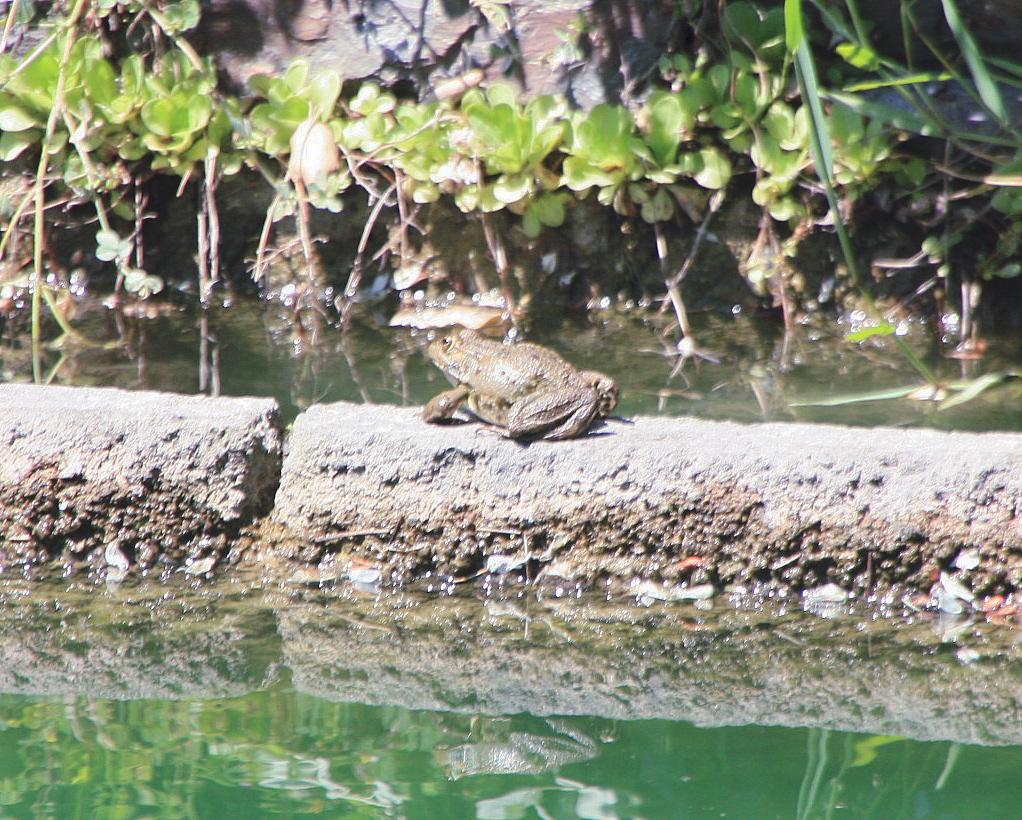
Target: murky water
[[226, 701], [234, 702], [759, 373]]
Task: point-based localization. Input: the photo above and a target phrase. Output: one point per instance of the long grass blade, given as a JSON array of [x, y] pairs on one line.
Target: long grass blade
[[820, 144], [858, 398], [985, 84], [978, 386]]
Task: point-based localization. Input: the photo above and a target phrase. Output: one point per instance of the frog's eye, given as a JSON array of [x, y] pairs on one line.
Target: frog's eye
[[447, 342]]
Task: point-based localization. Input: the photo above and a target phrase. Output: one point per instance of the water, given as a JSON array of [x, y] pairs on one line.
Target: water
[[761, 374], [238, 700], [235, 700], [284, 753]]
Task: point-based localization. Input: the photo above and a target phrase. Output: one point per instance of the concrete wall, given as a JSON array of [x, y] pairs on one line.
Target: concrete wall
[[127, 480]]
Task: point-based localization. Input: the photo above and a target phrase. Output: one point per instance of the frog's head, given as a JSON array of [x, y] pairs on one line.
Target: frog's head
[[606, 388], [456, 351]]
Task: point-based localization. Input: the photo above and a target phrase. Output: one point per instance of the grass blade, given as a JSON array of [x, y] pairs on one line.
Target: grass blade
[[794, 34], [977, 386], [820, 144], [858, 398], [985, 84]]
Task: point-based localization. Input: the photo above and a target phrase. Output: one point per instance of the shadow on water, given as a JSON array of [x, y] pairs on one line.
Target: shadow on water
[[233, 700]]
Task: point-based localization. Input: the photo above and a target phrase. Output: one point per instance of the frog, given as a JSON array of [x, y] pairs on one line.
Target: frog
[[526, 390]]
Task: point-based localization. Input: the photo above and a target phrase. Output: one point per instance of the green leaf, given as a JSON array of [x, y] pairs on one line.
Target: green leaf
[[794, 35], [716, 172], [502, 94], [297, 75], [659, 207], [549, 209], [884, 329], [323, 92], [182, 15], [13, 118], [179, 115], [668, 120], [12, 144], [531, 224], [512, 187], [110, 246], [859, 55], [985, 84], [1008, 271]]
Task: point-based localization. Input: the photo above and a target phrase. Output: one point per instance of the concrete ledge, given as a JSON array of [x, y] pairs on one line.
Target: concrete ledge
[[786, 504], [131, 477]]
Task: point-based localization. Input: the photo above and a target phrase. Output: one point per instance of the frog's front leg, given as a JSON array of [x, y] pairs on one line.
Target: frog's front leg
[[554, 414], [443, 406]]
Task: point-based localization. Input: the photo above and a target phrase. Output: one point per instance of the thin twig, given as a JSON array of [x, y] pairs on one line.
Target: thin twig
[[12, 14], [262, 269], [499, 256], [202, 242], [40, 196], [303, 218], [672, 283], [213, 217], [355, 278]]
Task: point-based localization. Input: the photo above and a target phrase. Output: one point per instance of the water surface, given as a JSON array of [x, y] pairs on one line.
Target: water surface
[[224, 701]]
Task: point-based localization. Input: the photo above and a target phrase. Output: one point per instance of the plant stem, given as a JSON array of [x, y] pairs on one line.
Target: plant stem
[[12, 14], [40, 193], [819, 138]]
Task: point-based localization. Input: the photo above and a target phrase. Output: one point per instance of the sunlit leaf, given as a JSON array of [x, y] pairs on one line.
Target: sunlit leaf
[[978, 386], [884, 329]]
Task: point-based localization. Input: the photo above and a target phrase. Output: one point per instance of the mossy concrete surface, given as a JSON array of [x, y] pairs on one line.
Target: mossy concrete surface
[[131, 478]]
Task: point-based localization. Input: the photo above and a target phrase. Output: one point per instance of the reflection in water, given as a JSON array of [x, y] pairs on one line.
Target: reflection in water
[[219, 702], [515, 752], [283, 752], [756, 371]]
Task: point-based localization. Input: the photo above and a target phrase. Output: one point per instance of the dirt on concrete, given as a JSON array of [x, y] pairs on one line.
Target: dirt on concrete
[[791, 506], [129, 479]]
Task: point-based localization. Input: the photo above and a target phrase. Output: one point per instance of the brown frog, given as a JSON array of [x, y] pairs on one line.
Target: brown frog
[[526, 389]]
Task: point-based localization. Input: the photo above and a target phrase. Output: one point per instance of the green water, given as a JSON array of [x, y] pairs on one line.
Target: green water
[[285, 753], [230, 700]]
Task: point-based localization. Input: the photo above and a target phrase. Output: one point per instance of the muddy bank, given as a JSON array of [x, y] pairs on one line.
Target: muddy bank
[[129, 479], [933, 680], [679, 500]]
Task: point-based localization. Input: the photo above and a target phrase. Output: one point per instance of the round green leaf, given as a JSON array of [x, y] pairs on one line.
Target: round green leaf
[[716, 172]]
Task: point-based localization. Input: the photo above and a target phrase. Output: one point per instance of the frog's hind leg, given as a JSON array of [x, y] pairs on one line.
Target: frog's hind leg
[[557, 414], [443, 406]]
